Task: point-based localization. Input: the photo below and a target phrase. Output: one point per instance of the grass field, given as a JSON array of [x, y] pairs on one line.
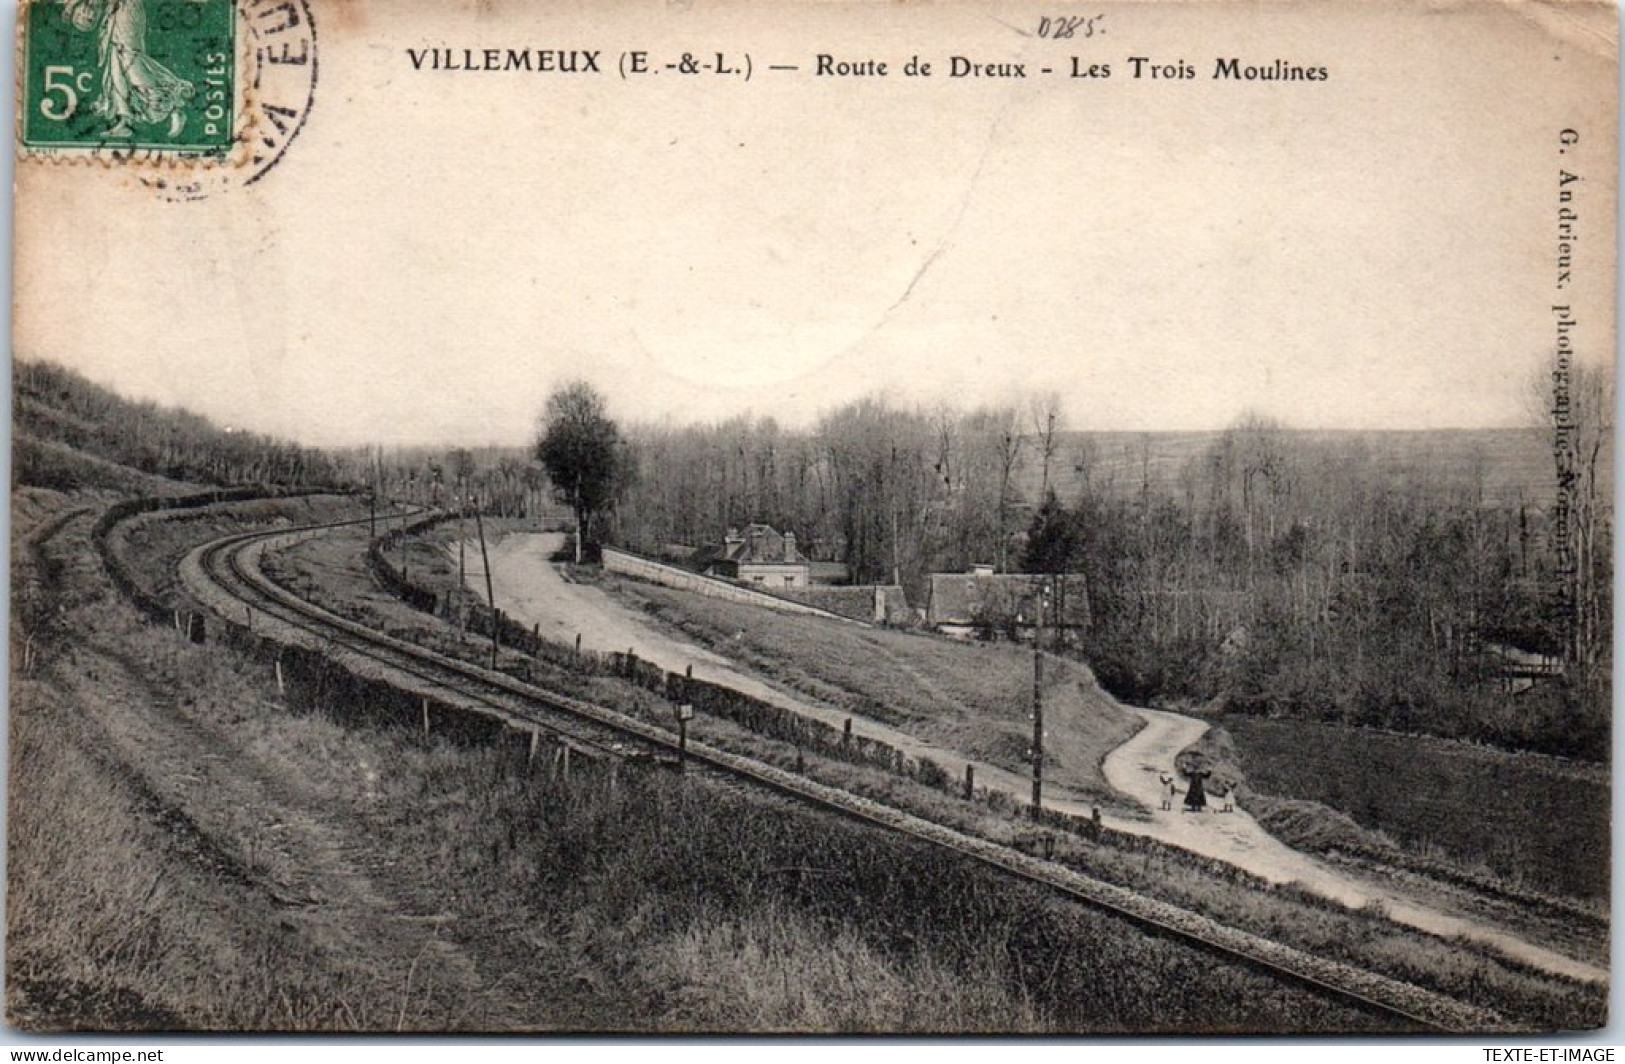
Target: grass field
[[975, 698], [153, 544], [1539, 822], [329, 564], [1515, 464], [189, 852], [190, 848]]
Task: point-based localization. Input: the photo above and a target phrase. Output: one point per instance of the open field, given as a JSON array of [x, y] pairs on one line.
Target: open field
[[194, 848], [152, 545], [975, 698], [1512, 465], [263, 865], [1287, 914], [1537, 822]]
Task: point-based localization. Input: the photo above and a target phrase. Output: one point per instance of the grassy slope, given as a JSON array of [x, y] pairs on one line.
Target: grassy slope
[[153, 544], [972, 697], [209, 938], [1536, 821], [1303, 920], [188, 852], [827, 653], [51, 464]]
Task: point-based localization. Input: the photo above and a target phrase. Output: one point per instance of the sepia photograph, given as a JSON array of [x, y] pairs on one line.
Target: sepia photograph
[[751, 517]]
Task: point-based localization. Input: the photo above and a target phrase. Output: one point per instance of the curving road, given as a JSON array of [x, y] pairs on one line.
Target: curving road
[[1237, 839], [530, 587], [225, 575]]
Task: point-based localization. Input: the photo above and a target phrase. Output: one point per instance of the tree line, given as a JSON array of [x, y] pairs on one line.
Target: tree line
[[1288, 576], [894, 492], [497, 481], [55, 403], [1274, 571]]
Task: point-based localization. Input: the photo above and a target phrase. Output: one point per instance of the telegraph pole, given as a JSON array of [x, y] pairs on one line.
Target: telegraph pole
[[1038, 710], [462, 575], [1038, 726], [490, 594]]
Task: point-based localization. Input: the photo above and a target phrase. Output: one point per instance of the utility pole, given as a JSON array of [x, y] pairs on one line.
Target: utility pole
[[891, 486], [1038, 712], [490, 595], [375, 460], [462, 573]]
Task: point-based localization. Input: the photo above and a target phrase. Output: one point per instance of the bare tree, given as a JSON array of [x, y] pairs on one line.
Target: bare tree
[[1575, 401], [1009, 443], [1048, 421]]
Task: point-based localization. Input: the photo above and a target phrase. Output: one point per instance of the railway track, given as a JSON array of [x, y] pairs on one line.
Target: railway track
[[225, 575], [232, 564]]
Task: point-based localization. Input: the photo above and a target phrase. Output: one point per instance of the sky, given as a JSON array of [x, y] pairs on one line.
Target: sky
[[437, 251]]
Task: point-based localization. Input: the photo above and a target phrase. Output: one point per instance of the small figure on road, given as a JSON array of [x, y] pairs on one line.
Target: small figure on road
[[1196, 794], [1169, 789]]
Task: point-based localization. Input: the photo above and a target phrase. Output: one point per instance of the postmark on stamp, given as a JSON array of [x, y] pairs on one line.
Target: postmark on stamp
[[190, 96]]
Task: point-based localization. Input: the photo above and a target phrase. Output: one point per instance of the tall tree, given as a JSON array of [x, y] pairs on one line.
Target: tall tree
[[580, 447], [1575, 401], [1048, 421]]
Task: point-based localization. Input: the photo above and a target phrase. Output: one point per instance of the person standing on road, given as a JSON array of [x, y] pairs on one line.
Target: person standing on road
[[1195, 794], [1169, 789]]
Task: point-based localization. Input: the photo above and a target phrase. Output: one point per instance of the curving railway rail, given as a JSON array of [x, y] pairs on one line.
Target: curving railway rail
[[225, 575]]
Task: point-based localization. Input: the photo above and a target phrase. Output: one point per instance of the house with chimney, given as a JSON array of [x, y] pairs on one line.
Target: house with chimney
[[760, 556]]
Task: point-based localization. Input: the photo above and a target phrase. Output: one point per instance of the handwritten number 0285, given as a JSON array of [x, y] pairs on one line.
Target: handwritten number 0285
[[1062, 27], [62, 79]]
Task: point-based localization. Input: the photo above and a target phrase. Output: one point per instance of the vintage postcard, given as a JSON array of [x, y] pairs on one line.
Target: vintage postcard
[[812, 517]]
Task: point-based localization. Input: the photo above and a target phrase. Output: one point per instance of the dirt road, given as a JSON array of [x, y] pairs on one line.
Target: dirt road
[[1236, 838], [530, 588]]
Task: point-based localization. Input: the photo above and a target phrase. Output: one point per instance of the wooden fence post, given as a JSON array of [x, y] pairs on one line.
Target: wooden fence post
[[970, 781], [425, 718], [683, 714]]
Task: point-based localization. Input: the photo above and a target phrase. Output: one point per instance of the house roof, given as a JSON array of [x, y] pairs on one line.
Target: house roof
[[759, 544], [969, 598]]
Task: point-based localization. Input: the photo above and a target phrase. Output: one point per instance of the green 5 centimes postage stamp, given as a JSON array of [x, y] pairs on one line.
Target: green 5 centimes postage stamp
[[187, 97], [157, 74]]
